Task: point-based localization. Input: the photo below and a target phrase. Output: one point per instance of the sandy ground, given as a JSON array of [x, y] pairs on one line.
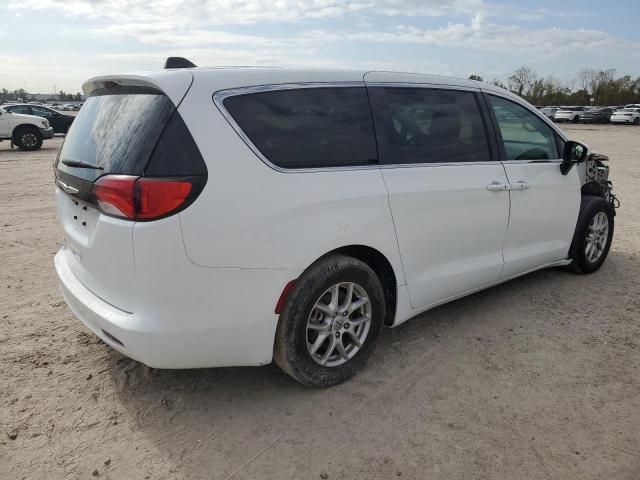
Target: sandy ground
[[535, 379]]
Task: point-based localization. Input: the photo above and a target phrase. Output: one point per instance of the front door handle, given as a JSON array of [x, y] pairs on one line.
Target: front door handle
[[519, 185], [498, 187]]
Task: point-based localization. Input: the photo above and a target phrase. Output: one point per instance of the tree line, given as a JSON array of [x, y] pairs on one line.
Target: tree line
[[603, 86], [22, 95]]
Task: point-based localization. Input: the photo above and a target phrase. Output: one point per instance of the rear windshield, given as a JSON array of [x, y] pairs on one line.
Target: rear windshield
[[116, 130]]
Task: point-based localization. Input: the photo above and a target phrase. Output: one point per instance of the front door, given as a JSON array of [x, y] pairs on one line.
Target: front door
[[437, 163], [544, 203]]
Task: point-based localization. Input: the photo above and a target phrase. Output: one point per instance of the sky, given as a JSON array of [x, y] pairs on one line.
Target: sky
[[61, 43]]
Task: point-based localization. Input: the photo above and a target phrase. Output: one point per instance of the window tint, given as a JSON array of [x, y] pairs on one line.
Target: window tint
[[42, 112], [421, 125], [22, 109], [309, 127], [524, 135]]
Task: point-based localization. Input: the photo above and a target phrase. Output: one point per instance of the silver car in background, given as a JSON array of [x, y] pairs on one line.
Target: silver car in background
[[569, 114], [549, 112]]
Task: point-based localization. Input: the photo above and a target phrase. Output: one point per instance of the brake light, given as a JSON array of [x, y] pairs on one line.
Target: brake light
[[140, 198], [115, 195], [157, 197]]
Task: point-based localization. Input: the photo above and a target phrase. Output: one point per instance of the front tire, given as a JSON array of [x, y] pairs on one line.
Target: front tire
[[28, 139], [330, 323], [593, 235]]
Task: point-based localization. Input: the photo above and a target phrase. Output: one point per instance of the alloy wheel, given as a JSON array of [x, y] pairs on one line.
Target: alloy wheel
[[597, 236], [338, 324]]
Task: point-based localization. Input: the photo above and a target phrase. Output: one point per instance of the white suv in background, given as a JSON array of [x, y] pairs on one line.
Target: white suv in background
[[27, 132], [235, 216]]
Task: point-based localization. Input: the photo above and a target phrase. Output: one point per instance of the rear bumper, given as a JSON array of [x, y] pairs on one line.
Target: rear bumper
[[47, 132], [204, 326], [117, 328]]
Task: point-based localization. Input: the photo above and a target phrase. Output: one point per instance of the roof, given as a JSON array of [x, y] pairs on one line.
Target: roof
[[220, 78]]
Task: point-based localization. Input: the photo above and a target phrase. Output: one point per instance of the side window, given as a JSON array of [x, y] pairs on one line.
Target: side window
[[41, 112], [22, 109], [425, 125], [524, 135], [308, 127]]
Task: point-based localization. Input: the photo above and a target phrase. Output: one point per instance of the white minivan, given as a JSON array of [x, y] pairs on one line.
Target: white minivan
[[237, 216]]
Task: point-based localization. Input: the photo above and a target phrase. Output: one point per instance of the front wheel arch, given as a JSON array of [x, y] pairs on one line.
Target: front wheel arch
[[590, 205], [22, 129]]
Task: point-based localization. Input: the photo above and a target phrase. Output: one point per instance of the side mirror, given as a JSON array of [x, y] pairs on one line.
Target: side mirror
[[574, 152]]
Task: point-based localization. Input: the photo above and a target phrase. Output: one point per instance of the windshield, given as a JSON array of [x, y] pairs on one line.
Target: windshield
[[116, 130]]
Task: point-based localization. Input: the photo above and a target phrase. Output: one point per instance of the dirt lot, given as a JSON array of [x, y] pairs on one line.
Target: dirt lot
[[535, 379]]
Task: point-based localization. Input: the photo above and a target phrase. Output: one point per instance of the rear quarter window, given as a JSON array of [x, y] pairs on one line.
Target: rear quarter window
[[308, 127]]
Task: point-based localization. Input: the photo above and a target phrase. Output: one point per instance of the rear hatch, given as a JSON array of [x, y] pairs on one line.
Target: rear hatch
[[128, 157]]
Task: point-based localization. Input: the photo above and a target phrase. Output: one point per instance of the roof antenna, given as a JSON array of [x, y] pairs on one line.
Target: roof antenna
[[178, 62]]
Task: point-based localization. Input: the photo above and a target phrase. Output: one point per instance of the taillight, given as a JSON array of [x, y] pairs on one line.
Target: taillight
[[141, 198], [156, 197], [115, 195]]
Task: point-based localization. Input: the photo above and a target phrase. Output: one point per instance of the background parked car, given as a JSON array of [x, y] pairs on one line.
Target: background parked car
[[58, 120], [632, 105], [549, 112], [26, 131], [569, 114], [596, 115], [627, 115]]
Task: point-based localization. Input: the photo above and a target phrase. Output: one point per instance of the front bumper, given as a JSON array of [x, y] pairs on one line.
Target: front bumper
[[47, 132]]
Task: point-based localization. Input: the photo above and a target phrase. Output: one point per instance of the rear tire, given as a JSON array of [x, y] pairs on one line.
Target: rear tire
[[593, 235], [576, 119], [318, 332], [28, 138], [636, 121]]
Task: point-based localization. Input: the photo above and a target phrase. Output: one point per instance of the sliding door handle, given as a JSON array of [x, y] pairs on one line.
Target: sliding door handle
[[498, 187]]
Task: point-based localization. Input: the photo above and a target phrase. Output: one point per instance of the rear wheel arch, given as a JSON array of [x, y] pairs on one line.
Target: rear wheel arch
[[381, 265], [312, 355]]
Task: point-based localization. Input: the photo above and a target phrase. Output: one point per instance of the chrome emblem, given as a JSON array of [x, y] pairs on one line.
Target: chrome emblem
[[67, 188]]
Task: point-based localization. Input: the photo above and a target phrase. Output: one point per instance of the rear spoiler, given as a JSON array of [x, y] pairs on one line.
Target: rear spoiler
[[173, 83]]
